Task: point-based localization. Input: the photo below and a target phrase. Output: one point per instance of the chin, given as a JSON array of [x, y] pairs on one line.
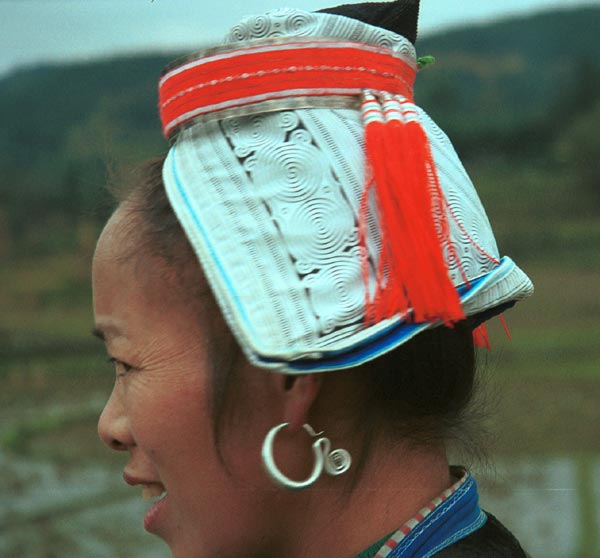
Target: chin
[[192, 551]]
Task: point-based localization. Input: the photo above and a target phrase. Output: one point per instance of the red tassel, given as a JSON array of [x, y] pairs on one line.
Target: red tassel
[[412, 272], [481, 337], [506, 330]]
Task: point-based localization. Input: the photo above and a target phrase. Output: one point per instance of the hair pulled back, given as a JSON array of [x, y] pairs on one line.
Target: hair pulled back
[[420, 392]]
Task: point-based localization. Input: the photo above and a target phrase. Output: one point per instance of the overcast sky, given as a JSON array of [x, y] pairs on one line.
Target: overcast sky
[[33, 31]]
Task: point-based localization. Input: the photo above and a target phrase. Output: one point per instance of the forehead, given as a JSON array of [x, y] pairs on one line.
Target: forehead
[[120, 235], [128, 283], [132, 287]]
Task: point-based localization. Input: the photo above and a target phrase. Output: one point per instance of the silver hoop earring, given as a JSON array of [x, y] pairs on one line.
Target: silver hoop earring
[[334, 462]]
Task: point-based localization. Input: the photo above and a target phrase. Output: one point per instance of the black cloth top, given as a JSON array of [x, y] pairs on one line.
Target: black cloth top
[[401, 16], [493, 540]]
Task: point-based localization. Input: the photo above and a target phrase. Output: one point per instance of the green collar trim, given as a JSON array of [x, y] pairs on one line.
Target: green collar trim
[[374, 548]]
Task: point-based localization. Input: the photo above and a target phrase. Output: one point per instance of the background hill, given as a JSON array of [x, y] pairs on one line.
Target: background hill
[[521, 100], [513, 86], [516, 89], [511, 89]]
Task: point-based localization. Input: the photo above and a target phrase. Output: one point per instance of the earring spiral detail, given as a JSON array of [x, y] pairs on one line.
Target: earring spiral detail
[[334, 462]]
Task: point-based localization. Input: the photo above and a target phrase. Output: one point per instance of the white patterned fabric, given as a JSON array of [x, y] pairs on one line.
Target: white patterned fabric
[[270, 205], [290, 22]]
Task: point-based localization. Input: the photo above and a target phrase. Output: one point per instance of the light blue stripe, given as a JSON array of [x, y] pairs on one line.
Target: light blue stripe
[[202, 231], [373, 346], [370, 348]]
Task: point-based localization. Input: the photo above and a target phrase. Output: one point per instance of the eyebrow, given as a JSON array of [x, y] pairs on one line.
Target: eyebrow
[[105, 331]]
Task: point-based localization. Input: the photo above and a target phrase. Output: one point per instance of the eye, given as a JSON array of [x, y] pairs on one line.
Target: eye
[[121, 367]]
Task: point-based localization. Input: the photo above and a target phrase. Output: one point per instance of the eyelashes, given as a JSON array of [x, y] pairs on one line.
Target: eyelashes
[[121, 368]]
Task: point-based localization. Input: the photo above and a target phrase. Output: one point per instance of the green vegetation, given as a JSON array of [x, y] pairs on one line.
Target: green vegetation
[[522, 105], [520, 102], [511, 87]]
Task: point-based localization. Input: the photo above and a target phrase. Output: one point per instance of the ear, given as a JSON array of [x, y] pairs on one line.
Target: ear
[[298, 393]]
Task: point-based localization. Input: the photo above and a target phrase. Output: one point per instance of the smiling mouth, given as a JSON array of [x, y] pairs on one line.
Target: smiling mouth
[[153, 492], [156, 495]]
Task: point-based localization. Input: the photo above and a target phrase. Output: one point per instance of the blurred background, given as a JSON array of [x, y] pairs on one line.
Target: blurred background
[[516, 85]]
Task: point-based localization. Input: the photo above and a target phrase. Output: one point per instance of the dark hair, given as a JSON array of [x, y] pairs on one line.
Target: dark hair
[[419, 392], [159, 233]]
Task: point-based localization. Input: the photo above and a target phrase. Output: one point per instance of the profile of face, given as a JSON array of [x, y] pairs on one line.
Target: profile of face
[[166, 351]]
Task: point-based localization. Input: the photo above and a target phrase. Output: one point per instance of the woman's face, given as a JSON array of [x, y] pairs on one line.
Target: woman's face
[[160, 408]]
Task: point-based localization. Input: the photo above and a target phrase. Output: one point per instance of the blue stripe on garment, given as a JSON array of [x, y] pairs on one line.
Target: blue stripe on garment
[[454, 519]]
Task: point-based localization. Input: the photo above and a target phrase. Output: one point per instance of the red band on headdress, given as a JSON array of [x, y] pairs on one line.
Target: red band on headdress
[[412, 267], [275, 71]]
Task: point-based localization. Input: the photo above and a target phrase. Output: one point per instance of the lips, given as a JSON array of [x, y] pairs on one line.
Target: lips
[[153, 492], [154, 514]]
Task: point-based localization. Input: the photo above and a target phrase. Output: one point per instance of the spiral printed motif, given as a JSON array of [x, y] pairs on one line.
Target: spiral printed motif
[[276, 23], [237, 33], [317, 223], [326, 226], [299, 23], [287, 120], [291, 22], [300, 136], [271, 205], [259, 27], [293, 167], [248, 133], [336, 292]]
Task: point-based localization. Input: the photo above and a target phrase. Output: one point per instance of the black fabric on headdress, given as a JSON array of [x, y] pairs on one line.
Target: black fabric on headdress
[[401, 16]]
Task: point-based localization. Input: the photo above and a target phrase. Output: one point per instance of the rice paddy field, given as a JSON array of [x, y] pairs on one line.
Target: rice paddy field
[[61, 491]]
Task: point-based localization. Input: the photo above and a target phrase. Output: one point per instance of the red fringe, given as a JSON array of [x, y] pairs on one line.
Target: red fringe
[[412, 270], [506, 330], [481, 337]]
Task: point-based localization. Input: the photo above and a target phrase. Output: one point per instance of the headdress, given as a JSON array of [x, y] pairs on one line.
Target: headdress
[[331, 216]]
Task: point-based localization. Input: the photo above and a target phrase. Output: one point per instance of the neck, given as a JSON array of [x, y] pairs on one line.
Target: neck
[[391, 489]]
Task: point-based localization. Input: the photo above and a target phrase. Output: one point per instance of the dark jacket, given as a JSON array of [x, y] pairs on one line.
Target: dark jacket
[[493, 540]]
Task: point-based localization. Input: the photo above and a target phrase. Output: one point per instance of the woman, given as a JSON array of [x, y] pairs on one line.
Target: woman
[[289, 301]]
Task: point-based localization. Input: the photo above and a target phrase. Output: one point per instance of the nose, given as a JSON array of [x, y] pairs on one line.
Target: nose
[[113, 424]]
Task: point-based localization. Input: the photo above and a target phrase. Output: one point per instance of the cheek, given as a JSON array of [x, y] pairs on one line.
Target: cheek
[[169, 420]]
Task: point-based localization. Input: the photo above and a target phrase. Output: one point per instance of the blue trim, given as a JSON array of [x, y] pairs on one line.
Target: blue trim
[[202, 231], [373, 346], [454, 519], [367, 349]]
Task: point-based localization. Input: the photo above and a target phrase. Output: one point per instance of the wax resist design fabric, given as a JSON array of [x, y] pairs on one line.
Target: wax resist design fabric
[[270, 204], [449, 517]]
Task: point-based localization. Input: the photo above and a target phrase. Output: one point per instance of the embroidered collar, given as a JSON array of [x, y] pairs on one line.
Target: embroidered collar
[[449, 517]]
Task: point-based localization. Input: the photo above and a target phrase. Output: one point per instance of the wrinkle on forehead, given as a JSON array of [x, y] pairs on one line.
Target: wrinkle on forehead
[[125, 243]]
